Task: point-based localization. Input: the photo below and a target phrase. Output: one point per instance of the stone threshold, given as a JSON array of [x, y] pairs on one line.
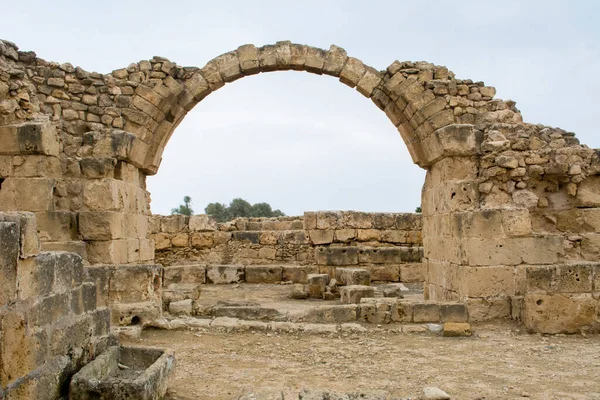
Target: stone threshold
[[228, 324]]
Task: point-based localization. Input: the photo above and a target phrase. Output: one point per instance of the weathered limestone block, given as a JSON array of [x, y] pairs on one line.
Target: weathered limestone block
[[248, 56], [98, 225], [336, 255], [320, 236], [404, 311], [335, 60], [412, 272], [326, 314], [173, 223], [219, 274], [181, 307], [134, 283], [194, 273], [22, 352], [202, 222], [455, 329], [369, 81], [352, 72], [247, 237], [352, 276], [314, 60], [263, 273], [316, 285], [513, 251], [29, 138], [27, 194], [57, 226], [9, 255], [345, 235], [453, 312], [560, 313], [487, 281], [28, 231], [383, 272], [114, 195], [126, 314], [389, 255], [330, 220], [488, 309], [352, 294], [379, 310], [298, 273], [310, 220], [107, 251], [426, 312]]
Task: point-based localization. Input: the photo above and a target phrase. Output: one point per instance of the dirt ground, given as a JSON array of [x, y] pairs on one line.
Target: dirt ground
[[497, 362]]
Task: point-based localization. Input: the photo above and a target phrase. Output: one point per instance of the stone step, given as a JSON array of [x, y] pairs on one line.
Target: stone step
[[229, 324], [408, 272], [358, 308]]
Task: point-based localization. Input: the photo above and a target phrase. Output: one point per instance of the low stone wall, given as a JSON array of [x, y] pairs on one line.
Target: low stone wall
[[50, 323], [386, 244], [559, 298]]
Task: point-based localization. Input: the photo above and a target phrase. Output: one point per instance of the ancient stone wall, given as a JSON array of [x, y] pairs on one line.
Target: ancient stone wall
[[50, 325], [501, 197], [387, 244]]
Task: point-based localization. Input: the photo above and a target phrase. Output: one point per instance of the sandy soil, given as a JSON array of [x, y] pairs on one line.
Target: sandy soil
[[498, 362]]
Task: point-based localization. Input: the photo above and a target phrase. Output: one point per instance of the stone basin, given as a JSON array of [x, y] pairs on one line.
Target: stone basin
[[121, 372]]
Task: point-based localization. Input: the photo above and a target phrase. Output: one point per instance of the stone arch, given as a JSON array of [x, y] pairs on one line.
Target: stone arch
[[416, 97], [510, 209]]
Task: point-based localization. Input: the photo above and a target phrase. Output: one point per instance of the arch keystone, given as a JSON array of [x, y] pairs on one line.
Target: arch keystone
[[248, 56]]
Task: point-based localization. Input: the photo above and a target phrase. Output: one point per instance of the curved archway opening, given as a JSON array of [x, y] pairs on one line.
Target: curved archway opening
[[297, 141]]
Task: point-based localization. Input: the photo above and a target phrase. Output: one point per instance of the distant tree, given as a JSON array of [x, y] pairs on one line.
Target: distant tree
[[219, 211], [261, 210], [185, 208], [418, 210], [239, 207]]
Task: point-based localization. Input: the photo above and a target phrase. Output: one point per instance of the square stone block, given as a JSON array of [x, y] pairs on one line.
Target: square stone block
[[453, 312], [316, 285], [219, 274], [298, 273], [263, 273], [354, 293], [352, 276], [426, 312]]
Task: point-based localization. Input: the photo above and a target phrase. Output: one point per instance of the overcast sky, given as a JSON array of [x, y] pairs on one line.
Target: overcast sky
[[305, 142]]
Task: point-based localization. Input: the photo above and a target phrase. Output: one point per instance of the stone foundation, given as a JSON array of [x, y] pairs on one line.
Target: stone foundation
[[51, 324], [386, 244]]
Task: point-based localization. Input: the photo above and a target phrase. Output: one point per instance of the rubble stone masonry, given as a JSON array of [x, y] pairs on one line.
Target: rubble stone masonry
[[386, 244], [505, 203]]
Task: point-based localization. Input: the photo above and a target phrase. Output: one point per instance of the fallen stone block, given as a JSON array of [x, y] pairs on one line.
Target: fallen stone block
[[221, 274], [180, 291], [354, 293], [263, 273], [316, 285], [299, 292], [452, 329], [352, 276], [298, 273], [182, 307], [433, 393]]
